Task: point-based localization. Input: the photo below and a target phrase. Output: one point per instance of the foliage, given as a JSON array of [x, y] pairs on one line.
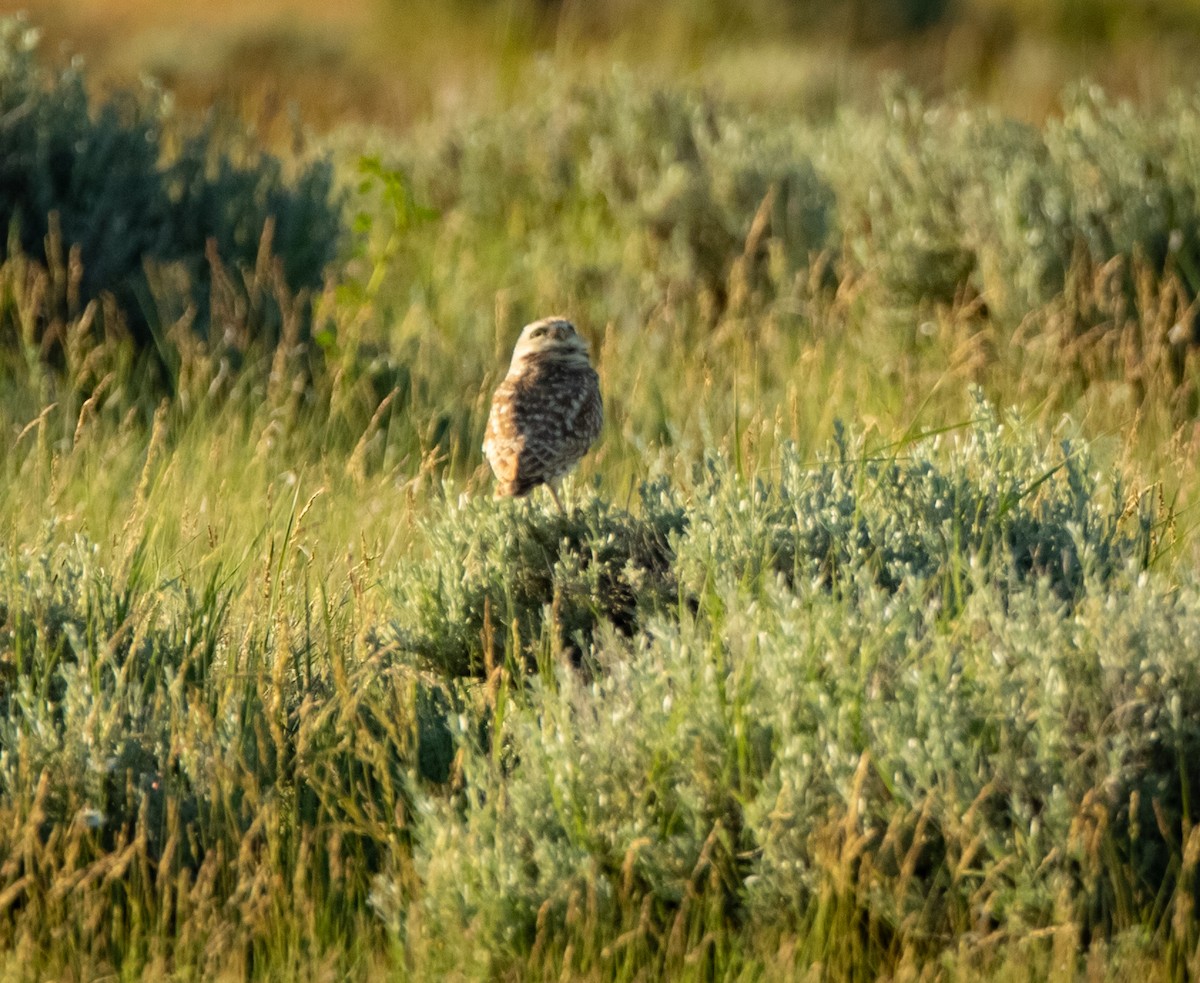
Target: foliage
[[873, 767], [667, 222], [100, 180], [948, 203], [161, 754], [285, 693], [918, 512], [495, 575], [496, 578], [678, 705], [643, 191]]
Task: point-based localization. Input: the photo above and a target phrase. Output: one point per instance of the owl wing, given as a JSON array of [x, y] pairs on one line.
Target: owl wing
[[583, 410], [543, 409], [561, 408], [503, 441]]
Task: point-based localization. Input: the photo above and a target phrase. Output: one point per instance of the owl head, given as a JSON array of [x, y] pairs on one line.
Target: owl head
[[551, 337]]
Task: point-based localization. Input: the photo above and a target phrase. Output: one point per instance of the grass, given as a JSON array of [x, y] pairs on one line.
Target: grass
[[396, 64], [284, 693]]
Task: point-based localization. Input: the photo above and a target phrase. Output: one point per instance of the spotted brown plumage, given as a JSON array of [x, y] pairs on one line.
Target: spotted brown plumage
[[546, 413]]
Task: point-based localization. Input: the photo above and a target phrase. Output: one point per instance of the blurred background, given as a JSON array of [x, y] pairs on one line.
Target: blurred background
[[393, 62]]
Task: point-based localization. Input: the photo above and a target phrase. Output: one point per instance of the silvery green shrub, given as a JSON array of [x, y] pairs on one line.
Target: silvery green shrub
[[501, 573], [99, 174], [88, 662], [657, 190], [930, 510], [929, 689], [944, 202]]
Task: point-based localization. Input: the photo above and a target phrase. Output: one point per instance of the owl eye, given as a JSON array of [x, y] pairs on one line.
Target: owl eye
[[538, 333]]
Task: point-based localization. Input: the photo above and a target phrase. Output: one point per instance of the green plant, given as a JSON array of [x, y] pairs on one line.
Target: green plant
[[865, 770], [500, 576], [99, 181]]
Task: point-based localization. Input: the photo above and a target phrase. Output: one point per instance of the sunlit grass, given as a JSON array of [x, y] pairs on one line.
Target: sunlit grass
[[864, 648], [397, 63]]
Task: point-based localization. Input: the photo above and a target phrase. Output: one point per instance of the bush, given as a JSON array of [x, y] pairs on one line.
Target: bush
[[100, 179], [953, 740], [499, 575], [85, 666], [943, 203], [838, 769], [657, 191], [914, 185], [920, 513], [1105, 182]]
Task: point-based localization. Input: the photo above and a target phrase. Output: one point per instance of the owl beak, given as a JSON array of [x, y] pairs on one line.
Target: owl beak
[[561, 333]]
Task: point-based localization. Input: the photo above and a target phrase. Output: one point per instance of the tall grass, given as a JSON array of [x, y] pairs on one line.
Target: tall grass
[[285, 693]]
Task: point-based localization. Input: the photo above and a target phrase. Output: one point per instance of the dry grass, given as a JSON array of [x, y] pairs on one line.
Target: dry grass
[[395, 63], [284, 693]]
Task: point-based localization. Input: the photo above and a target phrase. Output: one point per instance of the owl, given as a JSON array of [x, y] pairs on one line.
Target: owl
[[546, 413]]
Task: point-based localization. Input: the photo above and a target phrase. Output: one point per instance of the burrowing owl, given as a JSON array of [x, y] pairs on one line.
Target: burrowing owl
[[547, 411]]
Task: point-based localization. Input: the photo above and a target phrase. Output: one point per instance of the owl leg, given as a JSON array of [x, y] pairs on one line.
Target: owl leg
[[554, 494]]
